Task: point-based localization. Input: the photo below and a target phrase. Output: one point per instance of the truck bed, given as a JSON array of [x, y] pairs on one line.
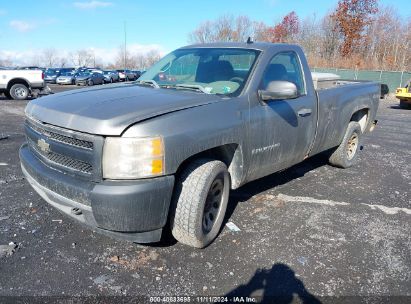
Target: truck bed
[[336, 102]]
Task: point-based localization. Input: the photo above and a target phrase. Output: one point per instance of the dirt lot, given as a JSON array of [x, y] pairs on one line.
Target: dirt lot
[[312, 231]]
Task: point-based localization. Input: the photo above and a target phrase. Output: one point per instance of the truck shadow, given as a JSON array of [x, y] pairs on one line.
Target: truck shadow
[[397, 107], [253, 188], [276, 285], [263, 184]]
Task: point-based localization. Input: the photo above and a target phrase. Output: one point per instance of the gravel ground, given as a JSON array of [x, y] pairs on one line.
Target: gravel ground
[[312, 232]]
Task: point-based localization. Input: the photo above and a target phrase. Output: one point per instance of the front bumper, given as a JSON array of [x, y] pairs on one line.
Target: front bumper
[[64, 81], [82, 82], [132, 210]]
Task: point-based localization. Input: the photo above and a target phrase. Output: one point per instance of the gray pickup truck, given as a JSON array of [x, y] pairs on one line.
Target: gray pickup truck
[[130, 160]]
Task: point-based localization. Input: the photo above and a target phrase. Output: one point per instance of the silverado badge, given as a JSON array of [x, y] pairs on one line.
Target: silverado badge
[[43, 145]]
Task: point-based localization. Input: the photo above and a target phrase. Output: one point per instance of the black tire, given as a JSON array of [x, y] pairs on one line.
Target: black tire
[[126, 79], [200, 202], [405, 105], [7, 94], [90, 82], [111, 80], [19, 91], [346, 153]]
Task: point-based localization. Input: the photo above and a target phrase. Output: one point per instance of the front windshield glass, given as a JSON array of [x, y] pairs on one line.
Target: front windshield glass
[[209, 70], [67, 74]]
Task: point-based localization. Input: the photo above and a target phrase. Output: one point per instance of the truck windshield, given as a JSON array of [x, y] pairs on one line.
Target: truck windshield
[[208, 70]]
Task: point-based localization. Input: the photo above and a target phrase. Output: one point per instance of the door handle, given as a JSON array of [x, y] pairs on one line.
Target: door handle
[[304, 112]]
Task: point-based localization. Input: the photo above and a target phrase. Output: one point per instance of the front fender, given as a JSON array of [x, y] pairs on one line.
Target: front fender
[[192, 131]]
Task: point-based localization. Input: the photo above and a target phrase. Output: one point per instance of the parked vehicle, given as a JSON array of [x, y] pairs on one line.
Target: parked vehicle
[[205, 119], [404, 95], [89, 78], [136, 73], [66, 78], [126, 75], [111, 76], [50, 75], [20, 84]]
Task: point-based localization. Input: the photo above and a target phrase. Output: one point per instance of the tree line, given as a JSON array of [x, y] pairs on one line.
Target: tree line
[[51, 57], [356, 34]]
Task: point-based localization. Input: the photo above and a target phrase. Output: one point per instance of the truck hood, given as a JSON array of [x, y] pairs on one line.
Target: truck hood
[[111, 109]]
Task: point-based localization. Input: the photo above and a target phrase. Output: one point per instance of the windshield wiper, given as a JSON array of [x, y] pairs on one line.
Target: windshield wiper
[[149, 82], [196, 87]]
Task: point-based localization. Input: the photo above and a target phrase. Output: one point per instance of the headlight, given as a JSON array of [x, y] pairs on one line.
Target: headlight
[[131, 158]]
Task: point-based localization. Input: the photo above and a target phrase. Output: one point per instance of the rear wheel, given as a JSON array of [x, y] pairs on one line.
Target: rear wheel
[[347, 152], [404, 104], [200, 202], [19, 91]]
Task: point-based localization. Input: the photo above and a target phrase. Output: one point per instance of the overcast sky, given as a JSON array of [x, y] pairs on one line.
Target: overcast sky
[[29, 26]]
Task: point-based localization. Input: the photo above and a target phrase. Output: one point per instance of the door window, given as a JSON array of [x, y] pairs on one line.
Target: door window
[[285, 66]]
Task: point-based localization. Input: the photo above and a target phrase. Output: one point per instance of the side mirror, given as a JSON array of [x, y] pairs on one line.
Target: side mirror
[[278, 90]]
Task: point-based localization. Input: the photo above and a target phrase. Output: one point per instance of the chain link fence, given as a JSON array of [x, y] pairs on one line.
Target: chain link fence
[[391, 78]]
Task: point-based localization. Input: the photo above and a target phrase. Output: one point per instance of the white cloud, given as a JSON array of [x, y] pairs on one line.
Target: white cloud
[[103, 55], [22, 26], [92, 4]]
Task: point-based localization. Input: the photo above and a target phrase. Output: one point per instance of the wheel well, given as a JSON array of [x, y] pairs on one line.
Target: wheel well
[[361, 116], [17, 80], [229, 154]]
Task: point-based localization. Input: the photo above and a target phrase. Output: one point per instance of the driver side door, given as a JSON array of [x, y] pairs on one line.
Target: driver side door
[[281, 131]]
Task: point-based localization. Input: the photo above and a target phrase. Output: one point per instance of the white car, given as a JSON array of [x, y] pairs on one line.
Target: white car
[[20, 84]]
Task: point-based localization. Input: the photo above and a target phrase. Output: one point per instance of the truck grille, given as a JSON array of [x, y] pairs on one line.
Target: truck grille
[[63, 139], [74, 152], [63, 160]]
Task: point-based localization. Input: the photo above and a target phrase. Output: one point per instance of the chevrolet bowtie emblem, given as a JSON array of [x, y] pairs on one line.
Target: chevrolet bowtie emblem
[[43, 145]]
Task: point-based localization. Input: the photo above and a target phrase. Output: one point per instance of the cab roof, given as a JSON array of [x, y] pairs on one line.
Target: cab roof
[[263, 46]]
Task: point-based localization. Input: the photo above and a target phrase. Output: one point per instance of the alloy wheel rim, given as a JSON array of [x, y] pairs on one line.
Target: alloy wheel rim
[[352, 146], [20, 92]]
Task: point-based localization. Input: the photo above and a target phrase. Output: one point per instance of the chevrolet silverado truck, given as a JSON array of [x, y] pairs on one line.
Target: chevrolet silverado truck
[[131, 160], [20, 84]]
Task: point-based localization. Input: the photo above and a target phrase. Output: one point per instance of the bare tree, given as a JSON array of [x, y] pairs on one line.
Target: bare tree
[[49, 57], [330, 38], [223, 29], [123, 59], [151, 58], [82, 57], [5, 62]]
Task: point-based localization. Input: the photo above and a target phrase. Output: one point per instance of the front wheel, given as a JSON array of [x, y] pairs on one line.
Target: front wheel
[[346, 153], [90, 83], [19, 91], [200, 202]]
